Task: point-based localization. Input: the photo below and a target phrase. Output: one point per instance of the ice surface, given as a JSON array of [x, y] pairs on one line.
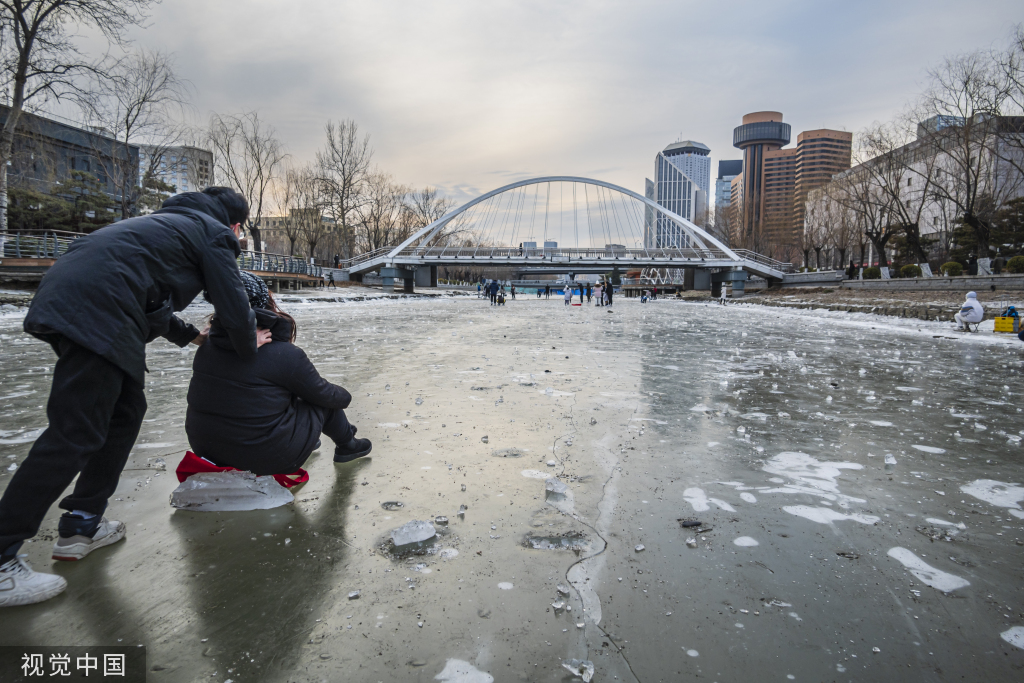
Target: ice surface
[[413, 534], [459, 671], [927, 574], [581, 668], [535, 474], [229, 492]]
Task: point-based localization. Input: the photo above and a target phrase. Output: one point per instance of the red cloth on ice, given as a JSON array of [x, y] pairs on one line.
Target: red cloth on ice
[[193, 464]]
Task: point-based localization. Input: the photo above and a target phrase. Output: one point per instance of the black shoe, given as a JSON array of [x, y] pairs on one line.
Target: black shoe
[[72, 525], [356, 448]]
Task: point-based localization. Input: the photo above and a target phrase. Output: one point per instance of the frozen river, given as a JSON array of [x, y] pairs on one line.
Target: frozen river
[[814, 560]]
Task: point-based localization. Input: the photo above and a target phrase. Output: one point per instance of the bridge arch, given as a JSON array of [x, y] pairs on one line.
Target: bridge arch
[[645, 230]]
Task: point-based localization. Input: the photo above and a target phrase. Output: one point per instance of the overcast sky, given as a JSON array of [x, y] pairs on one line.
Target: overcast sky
[[467, 95]]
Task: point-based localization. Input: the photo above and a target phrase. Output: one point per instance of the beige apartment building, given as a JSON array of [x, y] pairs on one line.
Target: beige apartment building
[[771, 193]]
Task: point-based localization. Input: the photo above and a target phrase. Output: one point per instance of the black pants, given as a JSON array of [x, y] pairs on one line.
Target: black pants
[[95, 412], [494, 297], [334, 424]]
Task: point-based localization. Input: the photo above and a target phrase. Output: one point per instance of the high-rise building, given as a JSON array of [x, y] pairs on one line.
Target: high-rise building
[[677, 192], [727, 170], [761, 132], [820, 155], [693, 159], [775, 181]]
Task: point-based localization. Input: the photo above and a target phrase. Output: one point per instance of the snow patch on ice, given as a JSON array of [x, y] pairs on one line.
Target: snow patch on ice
[[812, 476], [749, 497], [536, 474], [1014, 636], [745, 542], [505, 586], [881, 423], [459, 671], [929, 449], [997, 493], [699, 500], [827, 515], [942, 522], [927, 574]]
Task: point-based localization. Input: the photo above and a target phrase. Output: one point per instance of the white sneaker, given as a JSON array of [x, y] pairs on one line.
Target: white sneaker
[[77, 547], [19, 585]]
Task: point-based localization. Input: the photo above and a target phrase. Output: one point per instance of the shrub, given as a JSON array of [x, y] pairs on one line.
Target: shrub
[[952, 268], [1015, 265], [873, 273], [910, 270]]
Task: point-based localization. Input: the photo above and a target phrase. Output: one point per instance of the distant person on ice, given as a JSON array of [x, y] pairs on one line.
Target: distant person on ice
[[264, 414], [971, 312], [98, 306], [568, 295]]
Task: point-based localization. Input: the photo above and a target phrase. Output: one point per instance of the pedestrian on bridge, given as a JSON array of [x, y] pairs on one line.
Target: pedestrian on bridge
[[113, 292]]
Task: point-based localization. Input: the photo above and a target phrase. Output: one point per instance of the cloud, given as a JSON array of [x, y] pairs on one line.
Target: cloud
[[467, 95]]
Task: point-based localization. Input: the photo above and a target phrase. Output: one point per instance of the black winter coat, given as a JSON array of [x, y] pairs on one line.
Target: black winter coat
[[255, 413], [118, 288]]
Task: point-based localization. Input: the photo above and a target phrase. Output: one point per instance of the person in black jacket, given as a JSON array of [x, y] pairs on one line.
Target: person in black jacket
[[98, 306], [264, 414]]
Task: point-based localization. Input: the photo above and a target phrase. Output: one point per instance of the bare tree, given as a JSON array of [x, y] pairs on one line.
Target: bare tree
[[248, 157], [345, 167], [140, 100], [311, 201], [963, 106], [285, 194], [380, 215], [40, 59]]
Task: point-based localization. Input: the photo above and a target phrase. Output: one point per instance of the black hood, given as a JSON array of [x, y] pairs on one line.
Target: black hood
[[280, 328], [197, 201]]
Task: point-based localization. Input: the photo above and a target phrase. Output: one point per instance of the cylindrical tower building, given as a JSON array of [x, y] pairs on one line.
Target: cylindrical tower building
[[761, 132]]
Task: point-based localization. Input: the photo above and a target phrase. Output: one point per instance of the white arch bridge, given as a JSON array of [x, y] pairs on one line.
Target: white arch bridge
[[563, 224]]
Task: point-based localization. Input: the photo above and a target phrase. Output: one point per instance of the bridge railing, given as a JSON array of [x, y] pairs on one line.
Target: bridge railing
[[47, 244], [554, 255], [278, 263], [764, 260], [53, 244]]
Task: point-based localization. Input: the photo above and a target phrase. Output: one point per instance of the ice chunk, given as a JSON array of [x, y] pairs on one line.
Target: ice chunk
[[929, 449], [353, 595], [554, 485], [441, 520], [419, 401], [927, 574], [639, 547], [691, 542], [562, 589], [413, 534], [890, 462], [581, 668], [228, 492], [484, 438], [558, 606]]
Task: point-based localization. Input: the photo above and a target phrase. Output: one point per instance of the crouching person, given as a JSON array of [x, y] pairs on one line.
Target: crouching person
[[264, 414]]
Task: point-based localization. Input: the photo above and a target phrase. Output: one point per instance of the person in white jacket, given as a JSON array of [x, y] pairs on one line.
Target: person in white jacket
[[970, 312]]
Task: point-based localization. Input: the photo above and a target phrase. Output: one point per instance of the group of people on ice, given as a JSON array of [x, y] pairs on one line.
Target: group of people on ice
[[255, 401]]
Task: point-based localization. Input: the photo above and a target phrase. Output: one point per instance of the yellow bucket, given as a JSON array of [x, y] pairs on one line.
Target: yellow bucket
[[1008, 324]]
